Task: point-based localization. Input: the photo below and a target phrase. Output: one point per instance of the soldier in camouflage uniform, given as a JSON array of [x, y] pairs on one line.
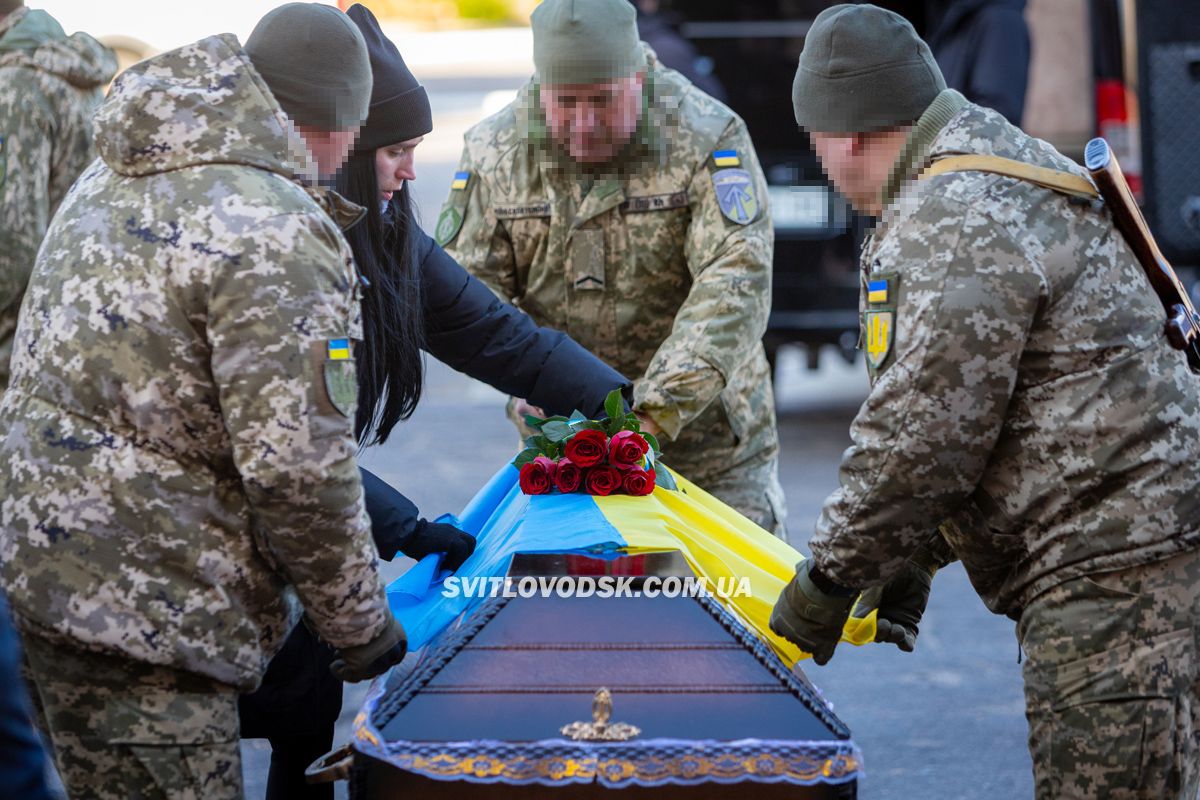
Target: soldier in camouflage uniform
[[1022, 392], [655, 255], [49, 86], [179, 464]]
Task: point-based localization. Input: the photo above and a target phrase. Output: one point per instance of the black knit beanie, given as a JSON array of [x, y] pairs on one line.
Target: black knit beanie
[[399, 106]]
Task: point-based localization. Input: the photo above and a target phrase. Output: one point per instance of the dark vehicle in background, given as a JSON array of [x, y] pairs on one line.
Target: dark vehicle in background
[[1087, 55]]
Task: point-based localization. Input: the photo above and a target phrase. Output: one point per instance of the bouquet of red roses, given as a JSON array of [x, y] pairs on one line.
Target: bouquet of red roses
[[600, 457]]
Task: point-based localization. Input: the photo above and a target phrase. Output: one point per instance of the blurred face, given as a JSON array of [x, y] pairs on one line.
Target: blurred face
[[394, 165], [329, 150], [859, 164], [593, 122]]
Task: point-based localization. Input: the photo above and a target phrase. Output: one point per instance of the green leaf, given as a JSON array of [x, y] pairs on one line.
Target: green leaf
[[557, 431], [534, 422], [663, 478], [653, 442], [578, 416], [525, 456], [588, 425], [613, 405], [531, 442]]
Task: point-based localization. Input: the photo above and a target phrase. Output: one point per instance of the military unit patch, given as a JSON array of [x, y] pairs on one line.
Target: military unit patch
[[461, 179], [342, 385], [879, 327], [735, 195], [449, 223]]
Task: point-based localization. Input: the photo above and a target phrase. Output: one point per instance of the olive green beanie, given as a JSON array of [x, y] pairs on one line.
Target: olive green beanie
[[863, 69], [585, 41], [314, 60]]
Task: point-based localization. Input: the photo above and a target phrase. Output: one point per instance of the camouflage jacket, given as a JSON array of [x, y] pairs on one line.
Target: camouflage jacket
[[645, 269], [49, 86], [1023, 389], [177, 436]]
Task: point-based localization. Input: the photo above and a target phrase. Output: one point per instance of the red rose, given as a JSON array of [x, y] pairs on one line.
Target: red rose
[[587, 448], [638, 482], [537, 477], [602, 480], [567, 476], [626, 448]]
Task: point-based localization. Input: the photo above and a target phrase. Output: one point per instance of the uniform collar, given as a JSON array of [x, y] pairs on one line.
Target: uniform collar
[[916, 152], [10, 21]]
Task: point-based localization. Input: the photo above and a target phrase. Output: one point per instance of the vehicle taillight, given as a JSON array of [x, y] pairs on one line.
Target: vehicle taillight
[[1117, 121]]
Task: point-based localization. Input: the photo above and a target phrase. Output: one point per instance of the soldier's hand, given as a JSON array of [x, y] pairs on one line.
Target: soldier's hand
[[365, 661], [439, 537], [522, 408], [900, 603], [649, 425], [812, 617]]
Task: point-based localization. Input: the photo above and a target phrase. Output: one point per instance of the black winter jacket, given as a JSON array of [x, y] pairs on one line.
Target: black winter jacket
[[468, 328]]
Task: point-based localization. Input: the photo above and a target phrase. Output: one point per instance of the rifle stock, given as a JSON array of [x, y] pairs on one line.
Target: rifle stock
[[1183, 323]]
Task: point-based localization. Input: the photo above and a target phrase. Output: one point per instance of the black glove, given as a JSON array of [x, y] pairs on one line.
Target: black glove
[[438, 537], [365, 661], [811, 612], [901, 603]]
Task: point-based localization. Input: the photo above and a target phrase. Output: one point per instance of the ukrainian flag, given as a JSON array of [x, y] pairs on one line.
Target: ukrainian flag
[[339, 349], [715, 540], [877, 291], [726, 158], [460, 180]]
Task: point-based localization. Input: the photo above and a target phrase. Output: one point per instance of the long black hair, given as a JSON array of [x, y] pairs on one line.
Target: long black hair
[[391, 367]]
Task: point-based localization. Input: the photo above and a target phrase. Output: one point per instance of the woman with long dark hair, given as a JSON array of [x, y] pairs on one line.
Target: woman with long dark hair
[[415, 300]]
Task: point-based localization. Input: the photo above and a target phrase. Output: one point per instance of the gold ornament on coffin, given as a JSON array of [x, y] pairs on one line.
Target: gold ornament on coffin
[[600, 729]]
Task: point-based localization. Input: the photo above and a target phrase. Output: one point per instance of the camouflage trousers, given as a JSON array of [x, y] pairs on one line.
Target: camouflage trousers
[[1112, 684], [125, 730]]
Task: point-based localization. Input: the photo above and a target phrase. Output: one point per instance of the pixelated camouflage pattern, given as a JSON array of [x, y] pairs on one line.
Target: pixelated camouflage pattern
[[122, 729], [1030, 398], [49, 86], [172, 457], [1112, 684], [644, 270]]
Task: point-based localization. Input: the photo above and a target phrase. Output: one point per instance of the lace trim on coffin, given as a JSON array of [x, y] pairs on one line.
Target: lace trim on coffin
[[653, 762]]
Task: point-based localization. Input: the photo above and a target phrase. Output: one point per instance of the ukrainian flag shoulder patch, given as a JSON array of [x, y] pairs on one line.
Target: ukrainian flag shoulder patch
[[461, 179], [878, 291], [726, 158], [338, 349]]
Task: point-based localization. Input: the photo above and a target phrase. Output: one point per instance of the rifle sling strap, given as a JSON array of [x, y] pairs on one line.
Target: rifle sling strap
[[1055, 180]]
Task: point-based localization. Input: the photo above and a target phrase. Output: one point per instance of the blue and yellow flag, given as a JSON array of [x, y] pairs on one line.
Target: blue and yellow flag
[[877, 291], [338, 349], [461, 179], [726, 158], [718, 543]]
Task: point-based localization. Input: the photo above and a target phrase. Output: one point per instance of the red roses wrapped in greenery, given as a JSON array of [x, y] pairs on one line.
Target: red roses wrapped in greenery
[[597, 457]]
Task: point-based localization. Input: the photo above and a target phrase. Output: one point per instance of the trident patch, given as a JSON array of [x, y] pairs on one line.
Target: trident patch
[[735, 195], [879, 328]]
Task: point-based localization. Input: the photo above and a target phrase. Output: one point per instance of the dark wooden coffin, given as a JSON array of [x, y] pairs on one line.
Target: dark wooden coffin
[[481, 712]]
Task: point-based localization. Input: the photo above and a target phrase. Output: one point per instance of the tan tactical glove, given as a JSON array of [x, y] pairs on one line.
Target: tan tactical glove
[[365, 661], [812, 616]]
